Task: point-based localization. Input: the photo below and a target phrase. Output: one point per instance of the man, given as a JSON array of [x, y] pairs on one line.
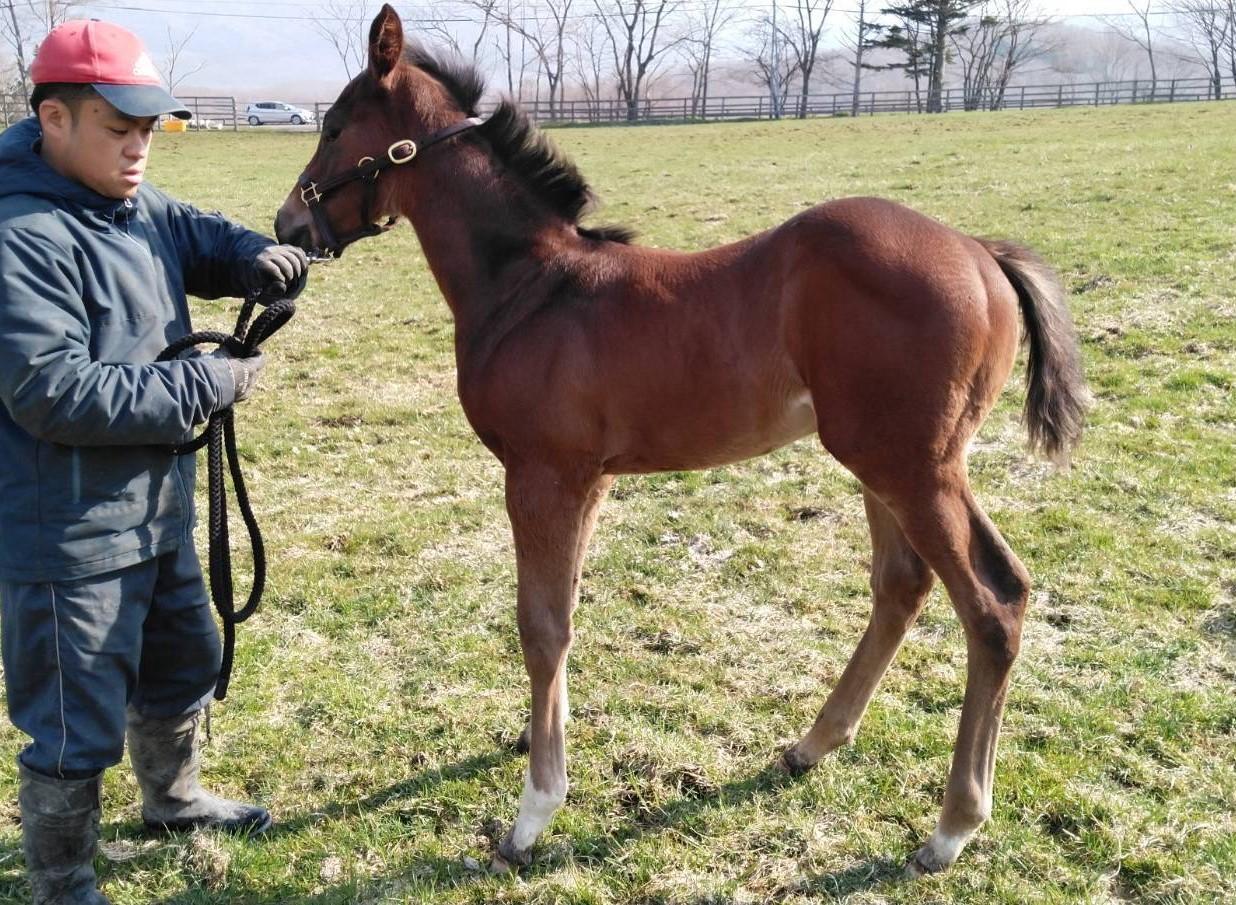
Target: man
[[104, 615]]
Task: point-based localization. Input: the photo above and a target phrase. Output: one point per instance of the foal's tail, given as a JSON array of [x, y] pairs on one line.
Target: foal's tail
[[1056, 394]]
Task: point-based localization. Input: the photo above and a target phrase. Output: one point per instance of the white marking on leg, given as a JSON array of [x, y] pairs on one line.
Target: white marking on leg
[[536, 809], [944, 848]]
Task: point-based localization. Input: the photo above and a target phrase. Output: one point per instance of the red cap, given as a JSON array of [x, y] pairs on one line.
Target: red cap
[[110, 58]]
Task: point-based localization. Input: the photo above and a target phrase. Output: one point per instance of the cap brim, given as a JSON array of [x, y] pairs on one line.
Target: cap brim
[[142, 100]]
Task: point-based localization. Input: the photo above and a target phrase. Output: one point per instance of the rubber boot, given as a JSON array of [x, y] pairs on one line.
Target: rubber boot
[[166, 762], [59, 829]]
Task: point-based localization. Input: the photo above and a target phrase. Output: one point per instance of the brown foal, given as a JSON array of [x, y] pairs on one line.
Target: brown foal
[[581, 356]]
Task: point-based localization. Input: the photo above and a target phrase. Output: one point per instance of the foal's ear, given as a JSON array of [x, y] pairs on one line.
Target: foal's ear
[[385, 42]]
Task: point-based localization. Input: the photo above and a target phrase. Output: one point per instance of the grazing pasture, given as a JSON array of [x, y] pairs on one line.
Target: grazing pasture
[[378, 695]]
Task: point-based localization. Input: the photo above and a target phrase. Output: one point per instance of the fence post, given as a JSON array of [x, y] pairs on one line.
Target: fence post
[[1022, 105], [235, 124], [1171, 97], [1135, 91]]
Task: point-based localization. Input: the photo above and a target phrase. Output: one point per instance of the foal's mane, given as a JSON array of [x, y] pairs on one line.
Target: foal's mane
[[519, 145]]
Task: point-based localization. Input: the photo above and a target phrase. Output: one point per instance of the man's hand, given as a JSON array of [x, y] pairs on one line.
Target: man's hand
[[279, 271], [245, 371]]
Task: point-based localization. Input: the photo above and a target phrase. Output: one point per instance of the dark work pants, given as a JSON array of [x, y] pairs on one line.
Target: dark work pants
[[77, 653]]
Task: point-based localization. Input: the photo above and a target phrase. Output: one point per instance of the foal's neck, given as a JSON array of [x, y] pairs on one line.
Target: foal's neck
[[487, 240]]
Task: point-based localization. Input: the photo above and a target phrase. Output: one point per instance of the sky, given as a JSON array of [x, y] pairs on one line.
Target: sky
[[268, 50]]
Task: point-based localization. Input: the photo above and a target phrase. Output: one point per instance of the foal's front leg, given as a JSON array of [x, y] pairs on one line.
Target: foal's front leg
[[547, 508], [588, 522]]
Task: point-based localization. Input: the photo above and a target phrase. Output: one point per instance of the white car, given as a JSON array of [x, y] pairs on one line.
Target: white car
[[263, 112]]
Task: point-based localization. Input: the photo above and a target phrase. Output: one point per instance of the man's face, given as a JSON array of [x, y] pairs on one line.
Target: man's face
[[97, 145]]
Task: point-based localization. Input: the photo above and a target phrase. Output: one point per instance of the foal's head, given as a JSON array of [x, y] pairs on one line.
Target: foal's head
[[381, 121]]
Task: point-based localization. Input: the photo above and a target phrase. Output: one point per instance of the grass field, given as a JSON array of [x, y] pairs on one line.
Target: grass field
[[378, 693]]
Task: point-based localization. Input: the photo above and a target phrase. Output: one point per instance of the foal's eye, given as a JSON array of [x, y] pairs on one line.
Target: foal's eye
[[331, 134]]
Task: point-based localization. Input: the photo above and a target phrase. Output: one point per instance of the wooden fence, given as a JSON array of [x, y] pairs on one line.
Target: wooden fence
[[1018, 97], [228, 113]]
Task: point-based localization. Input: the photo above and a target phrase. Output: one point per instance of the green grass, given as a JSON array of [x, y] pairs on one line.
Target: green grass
[[377, 693]]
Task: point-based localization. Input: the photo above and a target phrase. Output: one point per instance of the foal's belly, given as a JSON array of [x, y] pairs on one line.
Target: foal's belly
[[704, 438]]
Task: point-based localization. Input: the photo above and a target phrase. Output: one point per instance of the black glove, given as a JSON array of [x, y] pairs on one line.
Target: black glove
[[279, 272], [245, 371]]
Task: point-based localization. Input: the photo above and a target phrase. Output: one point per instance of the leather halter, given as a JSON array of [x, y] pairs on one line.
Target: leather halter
[[368, 169]]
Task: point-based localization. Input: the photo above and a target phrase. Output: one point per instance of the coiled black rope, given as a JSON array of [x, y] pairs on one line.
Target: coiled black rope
[[219, 438]]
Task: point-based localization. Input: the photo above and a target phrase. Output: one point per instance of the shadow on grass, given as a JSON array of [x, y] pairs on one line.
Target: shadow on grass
[[440, 872], [416, 786], [450, 873], [678, 815], [857, 878]]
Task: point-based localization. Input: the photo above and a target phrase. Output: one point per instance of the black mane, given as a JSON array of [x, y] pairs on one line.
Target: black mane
[[520, 145]]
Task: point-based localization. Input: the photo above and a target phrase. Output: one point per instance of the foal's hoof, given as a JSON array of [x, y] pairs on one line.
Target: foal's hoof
[[924, 862], [794, 763], [507, 858]]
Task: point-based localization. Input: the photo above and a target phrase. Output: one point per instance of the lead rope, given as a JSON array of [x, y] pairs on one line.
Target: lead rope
[[220, 439]]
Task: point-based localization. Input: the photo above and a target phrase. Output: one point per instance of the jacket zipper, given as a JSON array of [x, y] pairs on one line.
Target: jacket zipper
[[181, 488]]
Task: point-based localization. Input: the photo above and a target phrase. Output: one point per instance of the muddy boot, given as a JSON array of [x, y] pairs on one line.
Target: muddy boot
[[59, 829], [164, 755]]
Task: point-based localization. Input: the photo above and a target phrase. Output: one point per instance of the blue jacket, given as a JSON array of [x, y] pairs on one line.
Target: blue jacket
[[91, 290]]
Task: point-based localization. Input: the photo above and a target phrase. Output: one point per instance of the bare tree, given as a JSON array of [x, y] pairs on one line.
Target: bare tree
[[442, 31], [775, 70], [803, 38], [588, 40], [1207, 29], [47, 14], [1000, 39], [864, 29], [16, 38], [978, 47], [1230, 43], [546, 35], [636, 39], [1027, 39], [1140, 33], [514, 21], [342, 24], [698, 46], [23, 24], [173, 58], [506, 52]]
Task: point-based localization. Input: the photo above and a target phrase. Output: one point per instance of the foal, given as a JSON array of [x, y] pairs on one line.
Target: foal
[[581, 356]]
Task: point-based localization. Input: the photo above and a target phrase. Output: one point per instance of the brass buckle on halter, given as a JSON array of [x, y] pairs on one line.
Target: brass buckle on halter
[[364, 160], [409, 148], [305, 191]]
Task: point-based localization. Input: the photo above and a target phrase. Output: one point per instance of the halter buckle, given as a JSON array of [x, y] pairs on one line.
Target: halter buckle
[[309, 194], [407, 149]]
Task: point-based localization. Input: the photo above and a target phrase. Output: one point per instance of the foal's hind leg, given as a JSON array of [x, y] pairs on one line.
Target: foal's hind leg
[[988, 587], [547, 508], [900, 581], [592, 509]]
